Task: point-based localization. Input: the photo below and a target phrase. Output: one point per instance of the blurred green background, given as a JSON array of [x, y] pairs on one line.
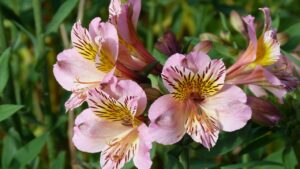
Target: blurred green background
[[35, 131]]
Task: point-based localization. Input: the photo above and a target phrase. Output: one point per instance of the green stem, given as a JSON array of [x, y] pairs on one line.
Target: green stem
[[41, 65], [2, 34], [38, 27]]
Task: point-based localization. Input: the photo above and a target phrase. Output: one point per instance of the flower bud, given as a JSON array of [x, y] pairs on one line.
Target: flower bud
[[237, 22], [203, 46], [263, 112], [167, 44]]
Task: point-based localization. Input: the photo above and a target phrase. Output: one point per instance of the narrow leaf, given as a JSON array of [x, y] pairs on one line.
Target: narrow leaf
[[6, 110], [27, 153], [61, 14], [4, 72]]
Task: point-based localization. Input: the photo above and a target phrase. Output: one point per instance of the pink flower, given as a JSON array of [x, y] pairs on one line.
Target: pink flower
[[113, 125], [125, 17], [93, 55], [251, 67], [199, 103]]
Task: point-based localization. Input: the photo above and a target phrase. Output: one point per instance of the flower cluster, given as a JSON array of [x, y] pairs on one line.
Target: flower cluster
[[103, 69]]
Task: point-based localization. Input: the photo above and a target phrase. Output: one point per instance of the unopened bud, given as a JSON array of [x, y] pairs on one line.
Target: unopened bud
[[237, 22], [263, 112], [167, 44], [203, 46]]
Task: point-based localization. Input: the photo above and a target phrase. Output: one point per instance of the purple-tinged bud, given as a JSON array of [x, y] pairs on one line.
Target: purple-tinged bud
[[203, 46], [167, 44], [263, 112]]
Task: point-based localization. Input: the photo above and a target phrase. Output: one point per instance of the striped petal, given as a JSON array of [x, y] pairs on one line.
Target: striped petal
[[112, 110], [185, 83], [83, 42], [119, 151], [203, 129]]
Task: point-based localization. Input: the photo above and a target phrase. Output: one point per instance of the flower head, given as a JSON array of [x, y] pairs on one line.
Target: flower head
[[251, 67], [199, 103], [124, 15], [113, 125], [93, 55]]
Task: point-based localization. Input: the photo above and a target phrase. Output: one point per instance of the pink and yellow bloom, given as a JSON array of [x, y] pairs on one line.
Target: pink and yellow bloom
[[93, 55], [251, 68], [124, 15], [113, 125], [199, 103]]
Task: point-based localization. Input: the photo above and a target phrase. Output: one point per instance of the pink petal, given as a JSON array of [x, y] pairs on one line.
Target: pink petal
[[119, 151], [268, 20], [94, 28], [71, 69], [197, 61], [110, 44], [257, 90], [83, 42], [229, 108], [167, 118], [75, 100], [114, 9], [136, 9], [129, 88], [91, 133], [203, 130], [250, 54], [142, 157]]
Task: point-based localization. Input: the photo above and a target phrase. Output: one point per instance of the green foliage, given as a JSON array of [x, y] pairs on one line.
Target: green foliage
[[38, 136]]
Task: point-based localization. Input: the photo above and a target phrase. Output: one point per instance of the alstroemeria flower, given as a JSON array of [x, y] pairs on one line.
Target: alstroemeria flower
[[93, 55], [199, 103], [113, 125], [250, 67], [124, 15]]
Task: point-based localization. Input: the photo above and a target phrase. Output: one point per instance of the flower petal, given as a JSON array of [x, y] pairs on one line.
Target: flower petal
[[83, 42], [203, 129], [110, 109], [74, 72], [229, 108], [91, 133], [119, 151], [183, 82], [250, 54], [129, 88], [268, 20], [142, 157], [75, 100], [167, 118]]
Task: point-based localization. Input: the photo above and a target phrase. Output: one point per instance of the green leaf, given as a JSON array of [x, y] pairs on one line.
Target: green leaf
[[289, 158], [294, 37], [6, 110], [28, 152], [224, 21], [61, 14], [4, 69], [59, 162], [251, 164], [264, 140], [9, 150]]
